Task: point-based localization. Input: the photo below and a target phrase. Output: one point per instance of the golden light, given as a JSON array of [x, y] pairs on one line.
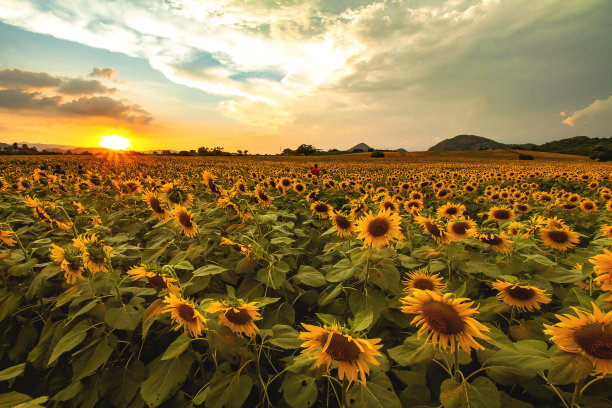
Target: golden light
[[115, 142]]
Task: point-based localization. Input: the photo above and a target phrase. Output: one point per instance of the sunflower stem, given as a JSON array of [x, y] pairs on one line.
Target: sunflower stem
[[345, 386], [118, 294], [457, 372], [512, 317], [577, 394]]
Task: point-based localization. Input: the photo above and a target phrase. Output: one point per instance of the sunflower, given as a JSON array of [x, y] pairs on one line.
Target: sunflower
[[497, 242], [445, 319], [210, 183], [423, 280], [185, 220], [299, 187], [38, 208], [603, 269], [606, 230], [358, 207], [185, 314], [237, 246], [70, 263], [588, 206], [451, 211], [561, 239], [458, 229], [5, 236], [433, 228], [93, 251], [330, 345], [388, 204], [263, 199], [344, 226], [522, 207], [237, 315], [524, 297], [413, 206], [155, 277], [589, 334], [155, 204], [321, 209], [176, 195], [241, 187], [378, 230], [500, 214]]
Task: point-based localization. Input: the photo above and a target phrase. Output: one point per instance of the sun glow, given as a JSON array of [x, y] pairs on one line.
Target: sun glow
[[115, 142]]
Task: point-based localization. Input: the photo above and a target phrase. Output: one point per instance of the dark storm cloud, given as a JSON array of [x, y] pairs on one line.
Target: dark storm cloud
[[16, 99], [20, 79], [78, 86], [103, 72]]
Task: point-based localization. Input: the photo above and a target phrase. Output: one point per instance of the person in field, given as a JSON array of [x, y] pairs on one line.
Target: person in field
[[315, 170]]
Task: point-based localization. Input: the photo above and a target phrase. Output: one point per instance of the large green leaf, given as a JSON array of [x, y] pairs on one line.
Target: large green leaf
[[299, 391], [371, 396], [70, 340], [482, 393], [227, 388], [12, 372], [164, 377], [91, 358]]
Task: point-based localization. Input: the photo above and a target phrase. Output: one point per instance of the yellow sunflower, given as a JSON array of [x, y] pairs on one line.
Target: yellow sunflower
[[433, 227], [603, 269], [422, 279], [156, 205], [245, 249], [94, 253], [263, 199], [589, 334], [331, 345], [497, 242], [155, 278], [175, 195], [70, 263], [237, 315], [445, 320], [321, 209], [378, 230], [561, 239], [185, 314], [606, 230], [184, 219], [524, 297], [451, 211], [459, 229], [344, 226], [500, 214], [5, 236]]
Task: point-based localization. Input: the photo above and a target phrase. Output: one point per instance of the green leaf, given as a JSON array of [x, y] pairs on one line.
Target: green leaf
[[564, 275], [341, 271], [90, 359], [299, 391], [363, 320], [125, 317], [164, 377], [414, 351], [307, 275], [210, 269], [567, 368], [9, 303], [372, 396], [70, 340], [482, 393], [540, 259], [284, 336], [184, 265], [228, 389], [486, 268], [177, 347], [12, 372], [19, 400]]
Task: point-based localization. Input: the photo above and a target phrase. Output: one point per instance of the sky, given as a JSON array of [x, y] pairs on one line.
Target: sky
[[263, 75]]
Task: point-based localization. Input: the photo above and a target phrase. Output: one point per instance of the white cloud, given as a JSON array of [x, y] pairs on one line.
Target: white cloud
[[599, 107]]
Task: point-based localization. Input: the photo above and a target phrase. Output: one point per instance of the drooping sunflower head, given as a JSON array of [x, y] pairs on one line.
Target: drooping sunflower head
[[175, 195], [245, 249], [445, 319], [263, 199], [524, 297], [156, 205], [185, 314], [5, 236], [155, 277], [421, 279], [238, 315], [433, 228], [344, 226], [589, 334], [184, 219], [560, 239], [331, 346], [94, 252], [378, 230]]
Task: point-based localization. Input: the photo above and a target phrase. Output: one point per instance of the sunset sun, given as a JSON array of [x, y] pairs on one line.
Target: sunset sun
[[115, 142]]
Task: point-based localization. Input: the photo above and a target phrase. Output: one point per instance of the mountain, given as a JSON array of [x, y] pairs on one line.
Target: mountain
[[361, 146], [580, 145], [467, 142]]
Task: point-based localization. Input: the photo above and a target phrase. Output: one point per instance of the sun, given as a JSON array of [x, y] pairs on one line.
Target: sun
[[115, 142]]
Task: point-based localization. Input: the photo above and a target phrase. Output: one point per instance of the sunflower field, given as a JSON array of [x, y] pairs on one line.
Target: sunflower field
[[249, 282]]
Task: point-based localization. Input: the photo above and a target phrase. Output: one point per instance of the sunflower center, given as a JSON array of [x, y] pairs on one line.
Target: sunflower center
[[588, 206], [286, 183], [595, 339], [184, 219], [432, 229], [442, 317], [388, 206], [299, 187], [559, 237], [242, 316], [495, 240], [460, 227], [340, 348], [520, 293], [423, 284], [186, 313], [321, 208], [96, 254], [157, 281], [501, 214], [378, 227], [262, 196], [342, 222], [155, 205], [521, 207], [451, 210]]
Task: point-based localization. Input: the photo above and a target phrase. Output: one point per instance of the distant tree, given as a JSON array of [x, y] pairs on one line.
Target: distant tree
[[525, 157], [377, 153], [333, 151], [239, 152], [183, 153], [306, 150], [288, 151], [246, 152], [357, 150], [371, 149], [86, 153], [601, 153], [203, 151], [15, 146]]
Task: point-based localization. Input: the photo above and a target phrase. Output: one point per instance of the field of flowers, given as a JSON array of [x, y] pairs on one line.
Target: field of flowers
[[182, 282]]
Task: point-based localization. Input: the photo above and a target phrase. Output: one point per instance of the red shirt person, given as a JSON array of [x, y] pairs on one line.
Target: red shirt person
[[315, 170]]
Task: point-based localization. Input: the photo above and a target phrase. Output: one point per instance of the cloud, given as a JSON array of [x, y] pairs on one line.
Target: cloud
[[21, 79], [55, 96], [78, 86], [598, 108], [103, 72]]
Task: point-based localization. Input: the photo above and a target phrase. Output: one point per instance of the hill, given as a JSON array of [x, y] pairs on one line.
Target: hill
[[359, 147], [580, 145], [467, 142]]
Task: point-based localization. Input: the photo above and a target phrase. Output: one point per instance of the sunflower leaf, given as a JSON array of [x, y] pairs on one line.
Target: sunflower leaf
[[164, 377], [12, 372], [567, 368], [70, 340], [177, 347]]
